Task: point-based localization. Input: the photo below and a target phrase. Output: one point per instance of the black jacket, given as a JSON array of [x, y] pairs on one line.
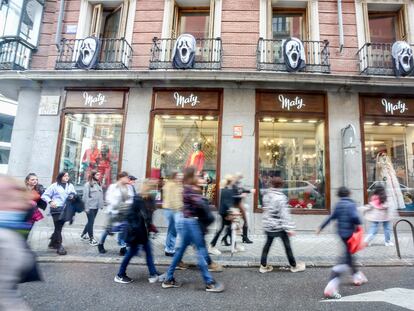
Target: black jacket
[[226, 200], [72, 206], [139, 219]]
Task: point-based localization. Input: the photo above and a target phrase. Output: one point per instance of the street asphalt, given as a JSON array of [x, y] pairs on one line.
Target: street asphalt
[[83, 286]]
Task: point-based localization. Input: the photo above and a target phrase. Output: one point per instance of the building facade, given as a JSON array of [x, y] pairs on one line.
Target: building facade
[[316, 93]]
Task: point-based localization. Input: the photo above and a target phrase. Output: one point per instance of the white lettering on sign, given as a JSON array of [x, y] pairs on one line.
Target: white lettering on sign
[[390, 107], [287, 103], [91, 100], [181, 101]]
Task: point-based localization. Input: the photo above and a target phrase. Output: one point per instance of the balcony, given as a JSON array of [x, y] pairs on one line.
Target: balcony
[[209, 54], [15, 53], [270, 56], [376, 59], [115, 54]]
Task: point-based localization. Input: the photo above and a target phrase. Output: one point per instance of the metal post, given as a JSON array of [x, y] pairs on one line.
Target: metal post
[[397, 244]]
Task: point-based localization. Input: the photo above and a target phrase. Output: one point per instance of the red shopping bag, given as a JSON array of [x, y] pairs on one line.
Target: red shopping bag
[[356, 241]]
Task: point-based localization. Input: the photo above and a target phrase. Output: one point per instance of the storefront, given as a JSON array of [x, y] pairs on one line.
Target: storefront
[[185, 130], [388, 147], [91, 135], [291, 131]]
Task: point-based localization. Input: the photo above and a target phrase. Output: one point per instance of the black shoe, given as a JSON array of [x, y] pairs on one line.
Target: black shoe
[[61, 250], [168, 254], [122, 251], [101, 249], [122, 279], [170, 284], [225, 242], [52, 245], [247, 240]]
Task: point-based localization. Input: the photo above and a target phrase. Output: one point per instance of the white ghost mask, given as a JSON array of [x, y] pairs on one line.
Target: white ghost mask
[[293, 54], [402, 54], [88, 53], [184, 52]]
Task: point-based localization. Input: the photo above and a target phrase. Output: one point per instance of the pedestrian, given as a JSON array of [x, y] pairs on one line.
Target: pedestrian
[[192, 233], [94, 201], [347, 221], [172, 206], [239, 203], [277, 223], [56, 195], [138, 221], [117, 196], [36, 190], [378, 213]]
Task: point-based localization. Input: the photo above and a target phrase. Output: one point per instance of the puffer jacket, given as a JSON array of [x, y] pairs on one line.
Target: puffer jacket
[[276, 215], [376, 211]]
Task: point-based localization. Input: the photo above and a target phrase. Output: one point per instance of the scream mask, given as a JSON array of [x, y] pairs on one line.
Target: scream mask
[[294, 54], [88, 53], [184, 52], [402, 55]]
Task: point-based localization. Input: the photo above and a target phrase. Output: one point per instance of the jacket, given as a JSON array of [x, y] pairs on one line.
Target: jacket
[[57, 193], [116, 195], [193, 202], [377, 211], [92, 196], [276, 214], [139, 220], [346, 216], [72, 206], [173, 195], [226, 200]]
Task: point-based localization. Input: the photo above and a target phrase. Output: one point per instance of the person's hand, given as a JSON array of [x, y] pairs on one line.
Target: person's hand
[[52, 204], [318, 231], [291, 233]]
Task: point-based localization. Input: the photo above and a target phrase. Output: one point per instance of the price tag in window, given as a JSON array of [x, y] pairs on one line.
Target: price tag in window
[[237, 131]]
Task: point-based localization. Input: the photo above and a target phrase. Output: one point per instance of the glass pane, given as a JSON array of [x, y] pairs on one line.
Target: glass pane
[[382, 29], [10, 17], [182, 141], [195, 23], [389, 161], [32, 16], [295, 151], [287, 25], [91, 142]]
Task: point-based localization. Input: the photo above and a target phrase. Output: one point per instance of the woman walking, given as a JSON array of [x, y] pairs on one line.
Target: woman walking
[[94, 201], [32, 185], [277, 223], [56, 195]]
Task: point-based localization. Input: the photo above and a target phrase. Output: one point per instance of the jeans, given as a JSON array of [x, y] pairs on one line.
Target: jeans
[[191, 234], [285, 239], [171, 231], [373, 230], [56, 237], [91, 220], [224, 223], [120, 229], [131, 252], [346, 262]]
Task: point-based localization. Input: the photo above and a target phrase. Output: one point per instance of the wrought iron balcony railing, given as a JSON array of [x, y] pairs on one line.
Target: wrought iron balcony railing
[[15, 53], [376, 59], [113, 54], [270, 55], [209, 54]]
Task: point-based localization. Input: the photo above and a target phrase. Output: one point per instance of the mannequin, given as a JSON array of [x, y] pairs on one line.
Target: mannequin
[[90, 158], [196, 158], [385, 172]]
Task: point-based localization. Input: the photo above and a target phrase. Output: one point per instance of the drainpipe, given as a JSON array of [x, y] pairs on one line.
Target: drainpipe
[[58, 36], [340, 25]]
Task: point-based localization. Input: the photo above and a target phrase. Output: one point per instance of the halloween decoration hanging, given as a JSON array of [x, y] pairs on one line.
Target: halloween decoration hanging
[[88, 53], [402, 54], [293, 54], [184, 52]]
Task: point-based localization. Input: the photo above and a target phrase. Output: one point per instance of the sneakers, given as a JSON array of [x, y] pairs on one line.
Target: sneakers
[[181, 266], [359, 278], [215, 287], [84, 237], [93, 242], [215, 267], [300, 266], [101, 249], [157, 278], [123, 279], [214, 251], [389, 243], [168, 254], [122, 251], [332, 295], [170, 284], [61, 250], [265, 269]]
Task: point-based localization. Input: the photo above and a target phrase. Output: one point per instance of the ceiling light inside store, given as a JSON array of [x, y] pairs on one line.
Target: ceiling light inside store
[[194, 118], [180, 117], [209, 118], [267, 119], [369, 122], [297, 121], [312, 121], [383, 123], [397, 124], [282, 120], [410, 124], [166, 116]]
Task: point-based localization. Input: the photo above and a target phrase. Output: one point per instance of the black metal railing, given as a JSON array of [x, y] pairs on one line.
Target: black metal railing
[[209, 54], [15, 53], [376, 59], [113, 54], [270, 55]]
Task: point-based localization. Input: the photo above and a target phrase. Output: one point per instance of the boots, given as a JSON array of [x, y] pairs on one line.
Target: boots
[[101, 249], [61, 250], [225, 241], [245, 238]]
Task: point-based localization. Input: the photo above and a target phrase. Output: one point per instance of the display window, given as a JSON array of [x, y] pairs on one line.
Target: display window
[[291, 144], [91, 136], [186, 132], [388, 136]]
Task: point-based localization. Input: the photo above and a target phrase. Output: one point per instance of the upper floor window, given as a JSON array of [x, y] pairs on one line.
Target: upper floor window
[[286, 25], [108, 20], [386, 27]]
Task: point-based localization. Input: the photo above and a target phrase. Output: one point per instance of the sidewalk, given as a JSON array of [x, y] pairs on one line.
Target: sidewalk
[[314, 250]]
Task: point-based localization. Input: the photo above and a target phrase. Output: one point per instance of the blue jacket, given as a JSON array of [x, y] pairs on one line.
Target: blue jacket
[[347, 218]]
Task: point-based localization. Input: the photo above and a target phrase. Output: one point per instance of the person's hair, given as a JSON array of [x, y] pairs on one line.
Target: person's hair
[[343, 192], [380, 192], [92, 176], [226, 181], [60, 176], [276, 182], [189, 176], [26, 180], [123, 174], [147, 186]]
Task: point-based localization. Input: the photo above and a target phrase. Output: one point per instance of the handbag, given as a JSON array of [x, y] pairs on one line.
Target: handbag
[[356, 241]]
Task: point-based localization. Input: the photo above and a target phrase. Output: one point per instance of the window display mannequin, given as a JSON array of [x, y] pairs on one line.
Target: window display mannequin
[[385, 173], [90, 158], [196, 158], [104, 166]]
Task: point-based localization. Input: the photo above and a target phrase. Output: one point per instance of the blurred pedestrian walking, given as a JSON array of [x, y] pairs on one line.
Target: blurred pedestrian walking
[[36, 190]]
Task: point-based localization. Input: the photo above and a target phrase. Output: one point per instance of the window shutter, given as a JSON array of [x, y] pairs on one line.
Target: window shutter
[[124, 19], [402, 23], [307, 22], [97, 11], [269, 17], [211, 19], [174, 22], [366, 22]]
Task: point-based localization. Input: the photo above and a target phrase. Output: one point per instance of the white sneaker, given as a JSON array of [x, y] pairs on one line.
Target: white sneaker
[[389, 243], [239, 248], [214, 251], [84, 238], [157, 278], [359, 278], [265, 269], [300, 266]]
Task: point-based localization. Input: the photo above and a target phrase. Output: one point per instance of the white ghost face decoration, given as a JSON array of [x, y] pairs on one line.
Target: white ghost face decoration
[[88, 53], [184, 52], [294, 54], [402, 53]]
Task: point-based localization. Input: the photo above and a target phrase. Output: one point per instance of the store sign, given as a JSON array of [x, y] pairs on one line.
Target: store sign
[[95, 99], [288, 103], [49, 105], [274, 101], [400, 106], [237, 131], [183, 101], [387, 105]]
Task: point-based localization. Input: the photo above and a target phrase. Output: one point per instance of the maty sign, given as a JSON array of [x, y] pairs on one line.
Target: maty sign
[[95, 99]]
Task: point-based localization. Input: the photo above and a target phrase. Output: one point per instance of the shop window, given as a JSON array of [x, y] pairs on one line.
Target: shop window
[[84, 148]]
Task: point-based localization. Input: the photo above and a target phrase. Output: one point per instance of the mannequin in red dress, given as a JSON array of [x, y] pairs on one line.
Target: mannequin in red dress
[[90, 158], [196, 158]]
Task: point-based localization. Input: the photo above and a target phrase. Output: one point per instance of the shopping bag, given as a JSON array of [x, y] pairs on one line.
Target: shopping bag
[[356, 241]]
